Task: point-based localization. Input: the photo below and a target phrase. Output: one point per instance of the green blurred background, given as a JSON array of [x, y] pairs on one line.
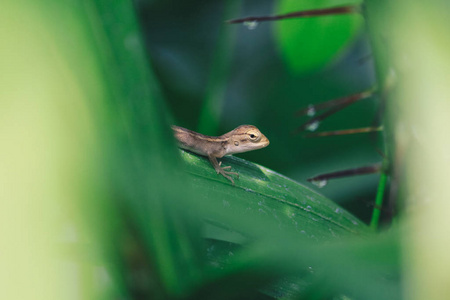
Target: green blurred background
[[255, 80]]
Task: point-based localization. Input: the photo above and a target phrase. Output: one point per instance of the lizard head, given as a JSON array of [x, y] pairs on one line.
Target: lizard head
[[246, 138]]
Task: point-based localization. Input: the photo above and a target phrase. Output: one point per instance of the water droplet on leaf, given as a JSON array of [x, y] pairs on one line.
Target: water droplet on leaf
[[313, 126], [319, 183], [251, 25], [311, 112]]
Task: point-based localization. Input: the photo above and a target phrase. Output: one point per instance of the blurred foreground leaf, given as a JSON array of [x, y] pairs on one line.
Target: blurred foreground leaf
[[159, 240]]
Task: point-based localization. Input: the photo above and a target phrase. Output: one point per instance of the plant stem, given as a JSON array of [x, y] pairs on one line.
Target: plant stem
[[378, 201]]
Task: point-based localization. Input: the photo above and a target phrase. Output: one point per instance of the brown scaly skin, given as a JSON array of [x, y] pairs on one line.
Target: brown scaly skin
[[242, 139]]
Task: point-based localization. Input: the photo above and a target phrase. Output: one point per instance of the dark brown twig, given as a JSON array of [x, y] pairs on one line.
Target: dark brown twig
[[345, 131], [336, 105], [349, 9], [375, 168], [335, 102]]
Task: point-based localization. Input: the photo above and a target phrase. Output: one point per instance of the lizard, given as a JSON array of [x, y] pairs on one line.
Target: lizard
[[242, 139]]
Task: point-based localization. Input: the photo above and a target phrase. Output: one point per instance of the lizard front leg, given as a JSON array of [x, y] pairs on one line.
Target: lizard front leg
[[221, 170]]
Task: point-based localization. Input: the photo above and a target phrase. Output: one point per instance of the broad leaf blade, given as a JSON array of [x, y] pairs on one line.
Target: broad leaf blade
[[270, 234], [307, 44], [266, 196], [143, 161]]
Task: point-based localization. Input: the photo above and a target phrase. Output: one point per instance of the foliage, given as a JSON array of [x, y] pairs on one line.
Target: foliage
[[97, 193]]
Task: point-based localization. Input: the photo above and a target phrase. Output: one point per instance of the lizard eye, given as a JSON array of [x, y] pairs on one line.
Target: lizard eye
[[253, 136]]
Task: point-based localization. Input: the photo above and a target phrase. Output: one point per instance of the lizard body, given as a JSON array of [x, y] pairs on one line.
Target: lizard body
[[242, 139]]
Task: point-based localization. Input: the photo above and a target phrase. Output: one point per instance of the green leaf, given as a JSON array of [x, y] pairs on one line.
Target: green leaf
[[273, 235], [266, 232], [307, 44], [113, 160], [141, 162], [264, 195]]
